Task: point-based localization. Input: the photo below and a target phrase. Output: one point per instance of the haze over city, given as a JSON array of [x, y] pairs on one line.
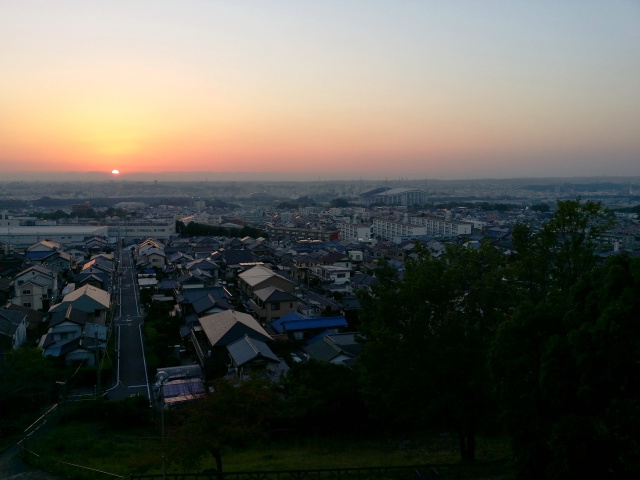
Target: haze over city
[[301, 90]]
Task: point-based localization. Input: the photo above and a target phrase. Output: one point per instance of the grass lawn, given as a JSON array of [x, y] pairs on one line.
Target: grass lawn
[[88, 444]]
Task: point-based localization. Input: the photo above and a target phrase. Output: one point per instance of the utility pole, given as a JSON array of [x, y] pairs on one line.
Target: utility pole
[[97, 349]]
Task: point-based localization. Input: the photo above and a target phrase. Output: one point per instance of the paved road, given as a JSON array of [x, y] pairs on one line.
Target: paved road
[[131, 371]]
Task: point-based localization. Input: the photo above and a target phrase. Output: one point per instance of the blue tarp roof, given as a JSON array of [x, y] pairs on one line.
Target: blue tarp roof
[[296, 322], [37, 254]]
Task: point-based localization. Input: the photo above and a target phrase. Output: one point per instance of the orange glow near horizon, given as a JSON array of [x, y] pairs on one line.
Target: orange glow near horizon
[[234, 87]]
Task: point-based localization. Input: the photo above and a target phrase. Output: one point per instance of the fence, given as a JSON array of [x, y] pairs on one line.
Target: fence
[[414, 472]]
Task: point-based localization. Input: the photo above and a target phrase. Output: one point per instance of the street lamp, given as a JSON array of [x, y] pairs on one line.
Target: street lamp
[[162, 377]]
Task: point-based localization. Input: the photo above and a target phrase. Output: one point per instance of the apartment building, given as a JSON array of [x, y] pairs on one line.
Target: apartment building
[[393, 230], [439, 227], [354, 231]]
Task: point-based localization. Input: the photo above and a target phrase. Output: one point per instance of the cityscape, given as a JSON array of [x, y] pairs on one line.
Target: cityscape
[[159, 291]]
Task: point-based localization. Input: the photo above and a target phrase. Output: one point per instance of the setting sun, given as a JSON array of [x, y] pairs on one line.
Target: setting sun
[[115, 172]]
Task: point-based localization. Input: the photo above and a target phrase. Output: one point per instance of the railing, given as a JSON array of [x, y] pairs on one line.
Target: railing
[[413, 472], [489, 469]]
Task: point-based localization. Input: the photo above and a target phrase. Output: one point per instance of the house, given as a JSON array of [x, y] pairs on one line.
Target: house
[[259, 250], [363, 281], [13, 329], [59, 261], [333, 274], [89, 299], [216, 331], [356, 256], [195, 303], [336, 259], [234, 260], [338, 348], [73, 335], [38, 251], [12, 263], [95, 278], [271, 303], [248, 356], [95, 244], [207, 267], [152, 256], [36, 287], [298, 326], [83, 349], [260, 277], [99, 263]]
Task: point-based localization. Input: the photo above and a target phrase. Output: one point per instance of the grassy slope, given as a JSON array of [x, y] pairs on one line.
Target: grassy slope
[[140, 452]]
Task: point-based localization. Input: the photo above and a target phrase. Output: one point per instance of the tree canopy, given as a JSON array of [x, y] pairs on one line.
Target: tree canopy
[[543, 339]]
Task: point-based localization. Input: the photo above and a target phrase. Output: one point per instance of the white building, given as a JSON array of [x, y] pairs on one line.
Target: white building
[[438, 227], [64, 234], [333, 274], [393, 196], [161, 228], [397, 231], [353, 231], [35, 287]]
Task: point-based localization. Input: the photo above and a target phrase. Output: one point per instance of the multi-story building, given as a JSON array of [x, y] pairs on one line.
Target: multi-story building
[[65, 234], [394, 196], [439, 227], [354, 231], [160, 229], [303, 233], [35, 287], [392, 230]]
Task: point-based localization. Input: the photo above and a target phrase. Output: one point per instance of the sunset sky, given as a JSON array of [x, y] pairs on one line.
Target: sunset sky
[[331, 89]]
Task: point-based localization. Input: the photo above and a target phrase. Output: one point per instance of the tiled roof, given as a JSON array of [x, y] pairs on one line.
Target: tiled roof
[[257, 274], [226, 327], [246, 349], [273, 294], [94, 293]]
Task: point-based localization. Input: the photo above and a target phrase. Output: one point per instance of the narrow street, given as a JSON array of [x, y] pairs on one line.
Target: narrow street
[[130, 367]]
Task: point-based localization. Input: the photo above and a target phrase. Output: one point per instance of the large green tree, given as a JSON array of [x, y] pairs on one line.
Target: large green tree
[[230, 415], [27, 383], [553, 258], [568, 378], [565, 367], [320, 396], [427, 339]]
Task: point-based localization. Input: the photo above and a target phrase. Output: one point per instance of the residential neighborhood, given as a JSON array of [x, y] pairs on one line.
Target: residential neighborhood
[[297, 282], [233, 294]]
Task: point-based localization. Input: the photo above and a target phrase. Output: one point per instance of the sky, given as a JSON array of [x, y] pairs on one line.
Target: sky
[[331, 89]]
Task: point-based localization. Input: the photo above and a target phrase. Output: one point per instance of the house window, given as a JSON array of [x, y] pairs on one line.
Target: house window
[[26, 292], [275, 306], [27, 304]]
